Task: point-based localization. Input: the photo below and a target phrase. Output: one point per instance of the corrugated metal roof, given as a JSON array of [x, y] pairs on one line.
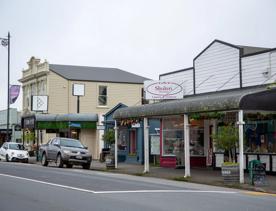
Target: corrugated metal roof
[[89, 117], [220, 101], [45, 117], [83, 73]]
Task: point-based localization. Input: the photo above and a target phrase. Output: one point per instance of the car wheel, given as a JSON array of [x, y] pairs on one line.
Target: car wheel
[[7, 157], [69, 165], [59, 161], [44, 161], [86, 166], [26, 160]]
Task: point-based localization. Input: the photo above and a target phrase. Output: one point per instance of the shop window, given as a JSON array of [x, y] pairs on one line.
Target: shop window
[[260, 136], [173, 137], [75, 133], [102, 97], [122, 138], [196, 140]]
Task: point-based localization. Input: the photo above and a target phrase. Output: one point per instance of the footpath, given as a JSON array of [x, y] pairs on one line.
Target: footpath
[[198, 175]]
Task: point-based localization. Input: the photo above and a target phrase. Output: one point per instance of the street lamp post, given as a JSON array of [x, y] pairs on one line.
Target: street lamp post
[[6, 42]]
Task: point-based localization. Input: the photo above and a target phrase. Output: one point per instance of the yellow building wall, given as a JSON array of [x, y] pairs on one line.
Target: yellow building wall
[[88, 138], [57, 89], [128, 94], [62, 101]]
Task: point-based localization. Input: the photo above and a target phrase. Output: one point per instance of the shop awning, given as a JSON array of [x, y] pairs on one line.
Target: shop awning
[[62, 121], [246, 99], [66, 117]]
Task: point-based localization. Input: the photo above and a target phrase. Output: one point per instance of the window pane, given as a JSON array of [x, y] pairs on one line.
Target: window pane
[[102, 90], [197, 140], [260, 136], [173, 138], [102, 100]]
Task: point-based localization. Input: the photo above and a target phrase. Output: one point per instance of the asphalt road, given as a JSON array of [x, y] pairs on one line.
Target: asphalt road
[[32, 187]]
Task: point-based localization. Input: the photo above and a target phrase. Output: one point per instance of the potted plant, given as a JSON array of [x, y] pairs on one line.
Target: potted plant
[[226, 139], [109, 138], [30, 137]]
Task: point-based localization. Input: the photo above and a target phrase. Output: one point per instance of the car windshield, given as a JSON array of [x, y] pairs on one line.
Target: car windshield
[[71, 143], [16, 147]]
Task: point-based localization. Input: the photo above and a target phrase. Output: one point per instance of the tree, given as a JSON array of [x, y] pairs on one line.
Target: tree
[[227, 139], [109, 136]]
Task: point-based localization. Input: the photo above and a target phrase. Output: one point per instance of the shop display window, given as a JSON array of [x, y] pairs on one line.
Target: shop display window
[[196, 140], [260, 136], [122, 138], [173, 137]]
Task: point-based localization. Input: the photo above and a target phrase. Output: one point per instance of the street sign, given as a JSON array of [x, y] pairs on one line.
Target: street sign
[[100, 127]]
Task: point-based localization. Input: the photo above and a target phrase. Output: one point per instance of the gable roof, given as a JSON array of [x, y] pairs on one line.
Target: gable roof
[[101, 74], [246, 50], [119, 105], [218, 41]]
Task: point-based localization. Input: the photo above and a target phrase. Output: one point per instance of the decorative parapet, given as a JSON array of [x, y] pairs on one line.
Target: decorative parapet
[[35, 67]]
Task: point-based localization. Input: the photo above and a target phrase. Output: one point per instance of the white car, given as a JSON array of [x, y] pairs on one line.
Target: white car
[[11, 151]]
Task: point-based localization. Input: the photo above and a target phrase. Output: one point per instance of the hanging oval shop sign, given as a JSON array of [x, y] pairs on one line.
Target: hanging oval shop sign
[[163, 90]]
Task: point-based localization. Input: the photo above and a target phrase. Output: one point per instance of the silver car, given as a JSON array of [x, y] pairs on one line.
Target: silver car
[[66, 151]]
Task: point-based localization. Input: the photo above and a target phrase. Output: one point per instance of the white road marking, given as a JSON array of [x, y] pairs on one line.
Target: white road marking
[[48, 183], [164, 191], [115, 192]]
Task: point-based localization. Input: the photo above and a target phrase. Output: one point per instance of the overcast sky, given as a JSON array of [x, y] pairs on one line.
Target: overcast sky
[[145, 37]]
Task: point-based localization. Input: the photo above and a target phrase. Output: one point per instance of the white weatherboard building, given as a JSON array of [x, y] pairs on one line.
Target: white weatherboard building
[[227, 84], [224, 66]]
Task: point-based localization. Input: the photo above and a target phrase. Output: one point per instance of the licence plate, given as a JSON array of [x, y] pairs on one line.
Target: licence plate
[[78, 157]]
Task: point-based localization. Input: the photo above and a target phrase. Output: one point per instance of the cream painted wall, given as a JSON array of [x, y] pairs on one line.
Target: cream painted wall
[[58, 94], [88, 138], [47, 136], [128, 94]]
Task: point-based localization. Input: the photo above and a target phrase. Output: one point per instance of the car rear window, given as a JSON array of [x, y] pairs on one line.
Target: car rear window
[[71, 143]]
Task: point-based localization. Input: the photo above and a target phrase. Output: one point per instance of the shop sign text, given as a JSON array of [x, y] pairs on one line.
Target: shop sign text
[[163, 90]]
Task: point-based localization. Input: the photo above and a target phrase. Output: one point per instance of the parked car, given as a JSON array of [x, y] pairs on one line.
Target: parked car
[[66, 151], [11, 151]]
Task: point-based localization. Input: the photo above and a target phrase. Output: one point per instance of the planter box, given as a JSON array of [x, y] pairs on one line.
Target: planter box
[[110, 161], [230, 173]]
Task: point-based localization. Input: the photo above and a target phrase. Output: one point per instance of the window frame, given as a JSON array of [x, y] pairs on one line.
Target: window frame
[[99, 95]]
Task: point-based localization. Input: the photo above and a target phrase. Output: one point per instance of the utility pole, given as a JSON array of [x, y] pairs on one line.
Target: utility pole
[[6, 42]]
